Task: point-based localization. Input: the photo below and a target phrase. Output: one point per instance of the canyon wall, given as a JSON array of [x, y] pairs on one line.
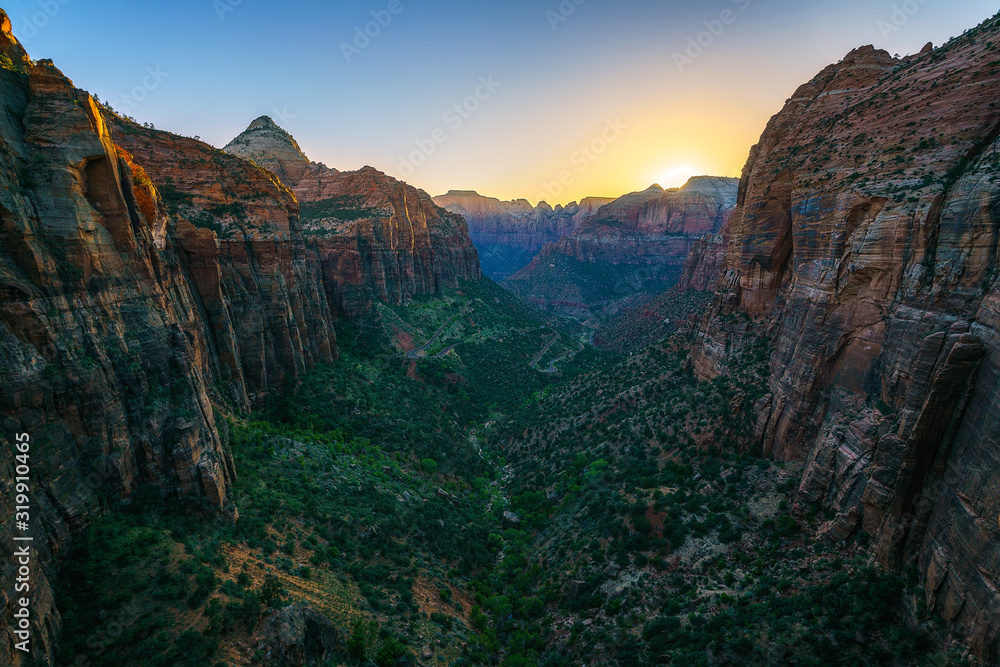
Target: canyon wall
[[239, 240], [637, 243], [508, 234], [147, 279], [865, 244], [104, 348], [375, 237]]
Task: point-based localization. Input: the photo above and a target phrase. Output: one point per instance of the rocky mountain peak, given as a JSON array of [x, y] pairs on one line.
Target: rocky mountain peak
[[722, 188], [265, 143]]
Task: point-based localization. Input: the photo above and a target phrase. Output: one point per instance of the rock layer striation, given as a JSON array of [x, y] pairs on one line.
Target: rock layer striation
[[865, 244], [508, 234], [375, 237]]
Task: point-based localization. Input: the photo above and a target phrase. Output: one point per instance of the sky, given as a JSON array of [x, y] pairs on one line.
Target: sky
[[535, 99]]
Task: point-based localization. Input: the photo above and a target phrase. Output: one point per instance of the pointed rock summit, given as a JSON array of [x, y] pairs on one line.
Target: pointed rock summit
[[272, 148], [375, 238], [10, 48]]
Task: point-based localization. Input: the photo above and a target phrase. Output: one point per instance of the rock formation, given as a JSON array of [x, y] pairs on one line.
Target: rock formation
[[146, 278], [266, 144], [239, 240], [865, 244], [509, 233], [637, 243], [299, 636], [105, 360], [375, 237]]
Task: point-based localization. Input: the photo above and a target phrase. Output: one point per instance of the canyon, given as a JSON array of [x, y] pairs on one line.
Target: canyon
[[634, 246], [156, 292], [865, 243], [148, 280], [508, 234]]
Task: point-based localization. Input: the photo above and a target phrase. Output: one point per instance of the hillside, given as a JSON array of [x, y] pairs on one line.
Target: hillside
[[509, 233], [634, 246], [365, 495], [864, 244]]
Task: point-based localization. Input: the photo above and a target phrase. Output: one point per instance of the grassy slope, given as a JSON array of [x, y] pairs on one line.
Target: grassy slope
[[645, 537]]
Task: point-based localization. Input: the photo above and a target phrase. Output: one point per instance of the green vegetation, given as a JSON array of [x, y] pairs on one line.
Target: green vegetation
[[460, 502], [344, 208], [597, 286]]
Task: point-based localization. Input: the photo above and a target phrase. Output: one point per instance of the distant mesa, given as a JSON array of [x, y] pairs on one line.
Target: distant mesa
[[634, 245], [509, 233]]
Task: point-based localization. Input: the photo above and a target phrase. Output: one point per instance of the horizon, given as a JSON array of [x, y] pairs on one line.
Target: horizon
[[510, 112]]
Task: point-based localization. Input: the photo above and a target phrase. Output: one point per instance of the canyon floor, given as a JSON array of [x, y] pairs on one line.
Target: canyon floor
[[467, 508]]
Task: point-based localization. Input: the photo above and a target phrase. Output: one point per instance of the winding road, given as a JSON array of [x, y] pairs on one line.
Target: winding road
[[538, 357], [421, 352], [552, 364], [569, 355]]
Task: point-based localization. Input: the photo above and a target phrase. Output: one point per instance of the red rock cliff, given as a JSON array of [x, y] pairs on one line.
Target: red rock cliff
[[509, 233], [375, 237], [103, 353], [865, 242], [130, 300], [242, 245], [638, 241]]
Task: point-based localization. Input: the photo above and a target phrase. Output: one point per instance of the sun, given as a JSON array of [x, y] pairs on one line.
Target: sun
[[675, 177]]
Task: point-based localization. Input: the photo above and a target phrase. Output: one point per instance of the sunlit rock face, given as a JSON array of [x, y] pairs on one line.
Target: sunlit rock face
[[107, 358], [374, 237], [508, 234], [865, 241], [637, 242], [238, 233]]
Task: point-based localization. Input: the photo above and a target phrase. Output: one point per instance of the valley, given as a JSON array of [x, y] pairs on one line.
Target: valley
[[287, 414]]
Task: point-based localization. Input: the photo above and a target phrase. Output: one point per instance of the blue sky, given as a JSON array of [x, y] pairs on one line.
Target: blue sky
[[559, 73]]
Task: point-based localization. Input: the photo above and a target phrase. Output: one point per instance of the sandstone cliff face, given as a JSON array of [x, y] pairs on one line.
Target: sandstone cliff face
[[102, 352], [638, 242], [704, 262], [509, 233], [241, 244], [865, 240], [375, 237], [131, 297]]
